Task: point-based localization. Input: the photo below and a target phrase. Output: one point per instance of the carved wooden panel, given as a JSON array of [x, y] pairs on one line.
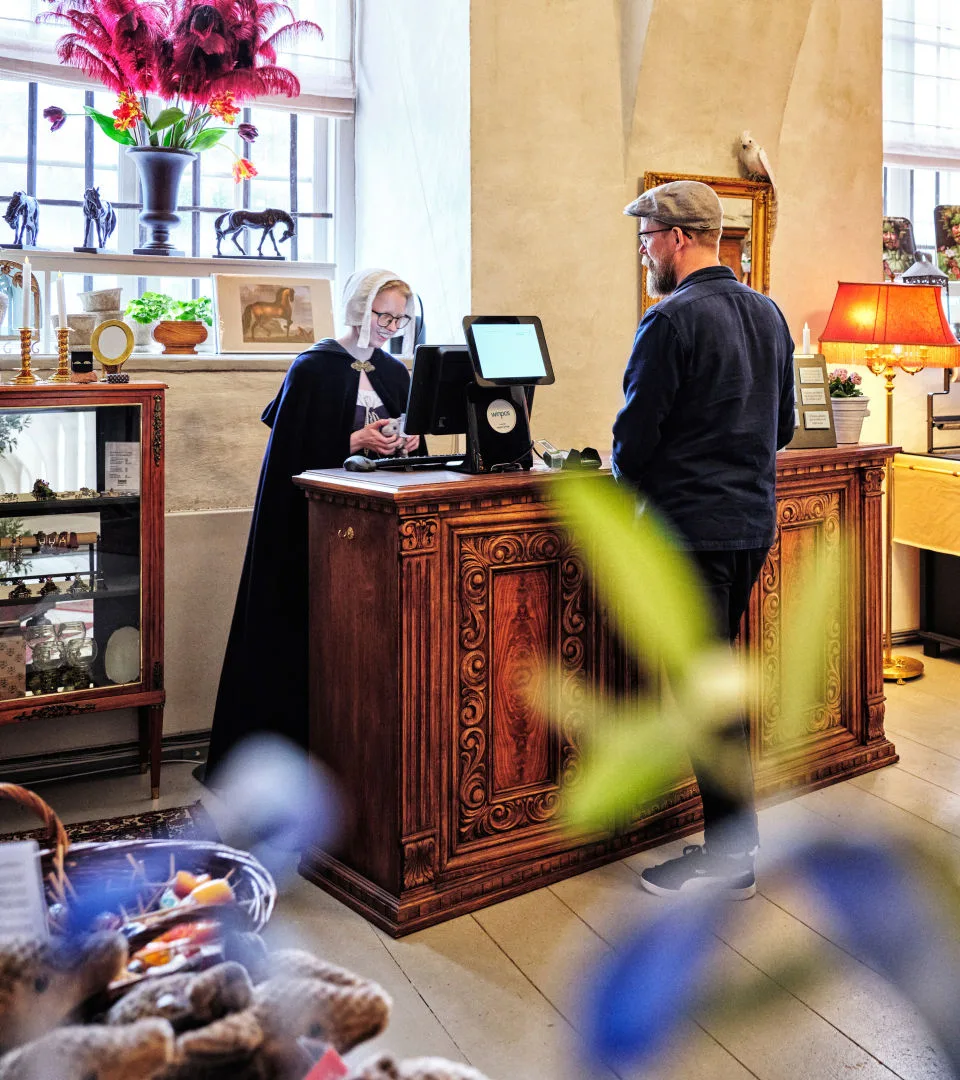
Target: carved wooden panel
[[809, 529], [521, 599]]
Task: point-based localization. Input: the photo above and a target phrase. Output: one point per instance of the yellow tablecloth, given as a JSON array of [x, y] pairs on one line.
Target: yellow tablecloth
[[926, 503]]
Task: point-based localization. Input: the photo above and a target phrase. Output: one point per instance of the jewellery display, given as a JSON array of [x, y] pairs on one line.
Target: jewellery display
[[42, 490], [21, 592], [49, 586]]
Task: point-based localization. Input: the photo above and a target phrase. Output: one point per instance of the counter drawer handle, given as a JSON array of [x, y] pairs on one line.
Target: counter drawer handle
[[347, 533]]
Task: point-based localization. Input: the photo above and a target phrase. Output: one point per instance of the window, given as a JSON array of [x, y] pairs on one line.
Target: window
[[298, 154], [921, 116]]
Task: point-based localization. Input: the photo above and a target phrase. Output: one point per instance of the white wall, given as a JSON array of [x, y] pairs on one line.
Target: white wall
[[413, 152]]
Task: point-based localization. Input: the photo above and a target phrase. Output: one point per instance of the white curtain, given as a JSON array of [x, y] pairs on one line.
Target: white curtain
[[921, 82], [325, 68]]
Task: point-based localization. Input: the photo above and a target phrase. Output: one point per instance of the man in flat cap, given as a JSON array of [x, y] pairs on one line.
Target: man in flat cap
[[709, 399]]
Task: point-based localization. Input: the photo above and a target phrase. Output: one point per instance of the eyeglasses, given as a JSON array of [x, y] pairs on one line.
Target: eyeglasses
[[649, 232], [385, 321]]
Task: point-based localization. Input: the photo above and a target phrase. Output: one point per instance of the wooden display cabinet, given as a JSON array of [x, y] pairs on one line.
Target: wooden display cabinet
[[81, 598], [432, 597]]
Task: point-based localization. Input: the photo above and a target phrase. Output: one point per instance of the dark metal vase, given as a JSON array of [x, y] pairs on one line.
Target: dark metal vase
[[160, 170]]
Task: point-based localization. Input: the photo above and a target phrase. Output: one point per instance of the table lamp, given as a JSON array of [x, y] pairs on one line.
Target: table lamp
[[889, 327]]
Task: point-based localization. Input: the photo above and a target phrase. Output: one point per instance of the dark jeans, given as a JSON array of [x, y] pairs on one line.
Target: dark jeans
[[729, 815]]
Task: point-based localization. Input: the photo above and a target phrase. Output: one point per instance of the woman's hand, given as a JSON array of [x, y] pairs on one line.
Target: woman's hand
[[410, 443], [370, 438]]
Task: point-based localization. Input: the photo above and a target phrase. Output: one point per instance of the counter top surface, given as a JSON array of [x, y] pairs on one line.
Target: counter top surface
[[401, 485]]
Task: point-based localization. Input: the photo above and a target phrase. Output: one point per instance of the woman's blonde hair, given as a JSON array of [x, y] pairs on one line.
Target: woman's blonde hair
[[401, 286]]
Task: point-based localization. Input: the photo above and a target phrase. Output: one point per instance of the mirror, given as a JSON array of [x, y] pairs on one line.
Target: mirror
[[745, 240], [11, 301]]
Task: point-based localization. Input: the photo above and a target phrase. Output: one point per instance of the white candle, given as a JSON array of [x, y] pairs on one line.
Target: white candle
[[61, 301], [806, 340], [27, 283]]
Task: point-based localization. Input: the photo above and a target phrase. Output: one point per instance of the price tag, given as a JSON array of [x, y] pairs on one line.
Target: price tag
[[122, 466], [330, 1067], [23, 907]]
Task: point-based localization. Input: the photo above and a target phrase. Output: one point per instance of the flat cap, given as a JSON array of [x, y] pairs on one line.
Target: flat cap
[[687, 203]]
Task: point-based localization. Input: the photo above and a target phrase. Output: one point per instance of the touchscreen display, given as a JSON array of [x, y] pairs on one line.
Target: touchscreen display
[[508, 351]]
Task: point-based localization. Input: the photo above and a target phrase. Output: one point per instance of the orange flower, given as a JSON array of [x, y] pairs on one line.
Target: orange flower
[[129, 112], [224, 106], [243, 169]]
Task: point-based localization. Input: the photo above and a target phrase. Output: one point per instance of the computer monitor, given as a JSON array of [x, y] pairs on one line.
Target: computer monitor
[[437, 402], [507, 350]]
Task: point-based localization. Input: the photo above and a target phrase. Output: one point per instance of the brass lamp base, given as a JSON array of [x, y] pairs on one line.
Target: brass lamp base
[[900, 668]]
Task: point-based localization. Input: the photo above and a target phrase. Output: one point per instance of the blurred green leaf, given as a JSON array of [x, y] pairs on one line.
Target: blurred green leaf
[[166, 118], [649, 586]]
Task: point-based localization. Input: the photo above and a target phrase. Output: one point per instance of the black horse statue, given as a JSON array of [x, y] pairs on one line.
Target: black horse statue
[[22, 216], [233, 222], [99, 215]]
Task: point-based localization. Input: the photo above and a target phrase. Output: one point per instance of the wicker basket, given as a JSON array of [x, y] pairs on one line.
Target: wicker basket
[[71, 871]]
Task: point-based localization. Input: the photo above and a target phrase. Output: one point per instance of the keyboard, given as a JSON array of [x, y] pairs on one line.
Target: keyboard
[[422, 461]]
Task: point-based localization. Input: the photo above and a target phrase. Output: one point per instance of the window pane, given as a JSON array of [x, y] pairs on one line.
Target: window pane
[[13, 137]]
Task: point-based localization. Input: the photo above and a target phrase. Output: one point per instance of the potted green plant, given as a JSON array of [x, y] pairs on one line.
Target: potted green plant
[[850, 404], [144, 313], [184, 329]]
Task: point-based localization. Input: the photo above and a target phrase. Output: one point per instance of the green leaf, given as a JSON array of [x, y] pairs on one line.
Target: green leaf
[[207, 138], [649, 586], [166, 118], [105, 123]]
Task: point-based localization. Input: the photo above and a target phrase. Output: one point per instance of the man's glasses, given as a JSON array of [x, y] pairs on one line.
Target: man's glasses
[[385, 321]]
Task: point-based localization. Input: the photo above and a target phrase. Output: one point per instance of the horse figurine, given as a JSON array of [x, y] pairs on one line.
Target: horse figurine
[[260, 312], [99, 215], [22, 216], [233, 222]]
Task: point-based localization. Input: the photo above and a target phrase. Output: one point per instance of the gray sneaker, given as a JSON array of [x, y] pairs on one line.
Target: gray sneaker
[[698, 868]]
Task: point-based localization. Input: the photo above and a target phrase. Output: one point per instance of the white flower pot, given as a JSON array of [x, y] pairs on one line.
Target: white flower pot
[[848, 416]]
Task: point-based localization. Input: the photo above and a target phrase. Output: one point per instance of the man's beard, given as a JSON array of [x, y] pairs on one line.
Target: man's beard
[[661, 279]]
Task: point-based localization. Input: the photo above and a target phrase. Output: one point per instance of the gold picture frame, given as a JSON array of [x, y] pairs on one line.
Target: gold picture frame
[[757, 234]]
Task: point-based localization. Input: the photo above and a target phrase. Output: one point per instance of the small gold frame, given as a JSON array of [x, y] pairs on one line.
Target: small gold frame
[[114, 359]]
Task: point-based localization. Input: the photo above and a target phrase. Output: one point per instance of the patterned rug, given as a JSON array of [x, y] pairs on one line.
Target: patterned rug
[[177, 823]]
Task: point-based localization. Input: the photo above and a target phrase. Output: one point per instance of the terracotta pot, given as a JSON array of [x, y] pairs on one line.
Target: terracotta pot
[[179, 335]]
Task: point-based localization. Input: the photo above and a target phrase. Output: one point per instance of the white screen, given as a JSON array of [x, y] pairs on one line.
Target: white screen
[[508, 350]]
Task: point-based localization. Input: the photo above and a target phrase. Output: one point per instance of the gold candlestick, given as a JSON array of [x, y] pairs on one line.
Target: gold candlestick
[[62, 374], [25, 377]]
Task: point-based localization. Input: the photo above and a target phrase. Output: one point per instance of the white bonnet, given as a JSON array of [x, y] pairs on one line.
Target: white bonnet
[[357, 303]]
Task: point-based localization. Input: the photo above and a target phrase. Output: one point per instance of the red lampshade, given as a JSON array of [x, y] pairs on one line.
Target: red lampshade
[[885, 315]]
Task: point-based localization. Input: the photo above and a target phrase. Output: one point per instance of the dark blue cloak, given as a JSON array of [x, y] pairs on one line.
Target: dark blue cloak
[[263, 684]]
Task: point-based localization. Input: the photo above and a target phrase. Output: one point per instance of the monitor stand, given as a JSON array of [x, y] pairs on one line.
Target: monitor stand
[[498, 430]]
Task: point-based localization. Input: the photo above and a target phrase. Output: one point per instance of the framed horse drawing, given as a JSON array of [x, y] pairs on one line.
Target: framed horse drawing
[[271, 314]]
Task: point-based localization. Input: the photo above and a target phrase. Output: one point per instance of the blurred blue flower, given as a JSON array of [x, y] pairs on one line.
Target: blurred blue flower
[[642, 991], [276, 802]]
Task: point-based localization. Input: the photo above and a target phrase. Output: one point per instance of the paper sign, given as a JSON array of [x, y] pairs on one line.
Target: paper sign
[[23, 908], [816, 420], [122, 467], [810, 375], [330, 1067], [813, 395]]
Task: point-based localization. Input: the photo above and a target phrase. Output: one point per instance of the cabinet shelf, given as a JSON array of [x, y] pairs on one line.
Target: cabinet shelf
[[22, 508], [112, 592]]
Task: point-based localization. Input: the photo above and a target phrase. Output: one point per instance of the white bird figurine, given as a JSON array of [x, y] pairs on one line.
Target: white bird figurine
[[753, 160]]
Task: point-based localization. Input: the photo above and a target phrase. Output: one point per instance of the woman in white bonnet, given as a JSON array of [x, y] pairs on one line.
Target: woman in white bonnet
[[334, 402]]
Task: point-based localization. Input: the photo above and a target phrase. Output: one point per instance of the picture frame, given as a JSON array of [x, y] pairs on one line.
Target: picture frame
[[899, 248], [946, 220], [271, 314]]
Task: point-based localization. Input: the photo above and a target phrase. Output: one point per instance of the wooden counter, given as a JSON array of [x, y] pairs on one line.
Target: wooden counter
[[432, 594]]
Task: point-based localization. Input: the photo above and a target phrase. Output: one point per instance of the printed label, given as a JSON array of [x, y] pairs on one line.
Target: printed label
[[501, 416]]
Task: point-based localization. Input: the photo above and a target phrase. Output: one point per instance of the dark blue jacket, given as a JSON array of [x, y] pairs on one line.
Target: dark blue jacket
[[709, 401]]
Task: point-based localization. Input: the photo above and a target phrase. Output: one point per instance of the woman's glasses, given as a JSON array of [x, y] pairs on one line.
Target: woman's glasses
[[385, 321]]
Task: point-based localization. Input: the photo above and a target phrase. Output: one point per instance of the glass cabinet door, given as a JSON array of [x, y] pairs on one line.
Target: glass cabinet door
[[70, 558]]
